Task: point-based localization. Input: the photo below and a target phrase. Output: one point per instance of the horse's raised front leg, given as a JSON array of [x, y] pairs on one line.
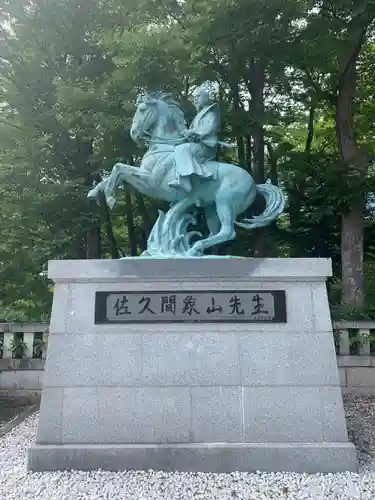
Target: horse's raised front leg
[[93, 194], [134, 176], [140, 179], [118, 175], [109, 184]]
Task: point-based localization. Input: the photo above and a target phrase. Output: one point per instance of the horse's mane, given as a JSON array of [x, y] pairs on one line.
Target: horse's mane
[[174, 108]]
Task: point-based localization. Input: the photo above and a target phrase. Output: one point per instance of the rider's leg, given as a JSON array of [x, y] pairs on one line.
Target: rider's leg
[[187, 160]]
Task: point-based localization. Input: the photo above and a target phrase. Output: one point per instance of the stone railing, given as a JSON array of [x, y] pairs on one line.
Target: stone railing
[[23, 349], [355, 348], [22, 352], [23, 340]]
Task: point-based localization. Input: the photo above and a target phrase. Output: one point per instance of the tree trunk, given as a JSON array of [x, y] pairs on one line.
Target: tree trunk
[[130, 224], [352, 223], [93, 242], [297, 195], [83, 159], [144, 213], [310, 130], [146, 221], [257, 100], [108, 226], [272, 160], [79, 247], [352, 229], [237, 132], [241, 151], [249, 150]]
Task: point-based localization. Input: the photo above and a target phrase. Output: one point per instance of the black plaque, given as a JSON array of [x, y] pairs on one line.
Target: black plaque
[[266, 306]]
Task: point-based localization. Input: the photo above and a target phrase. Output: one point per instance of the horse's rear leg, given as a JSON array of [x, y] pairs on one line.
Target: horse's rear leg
[[225, 213], [212, 219]]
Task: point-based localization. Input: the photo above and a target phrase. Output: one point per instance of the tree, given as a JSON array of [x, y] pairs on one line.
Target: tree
[[51, 145], [69, 75], [327, 54]]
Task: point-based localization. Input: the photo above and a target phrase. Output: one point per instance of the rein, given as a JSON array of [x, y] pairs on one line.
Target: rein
[[159, 140]]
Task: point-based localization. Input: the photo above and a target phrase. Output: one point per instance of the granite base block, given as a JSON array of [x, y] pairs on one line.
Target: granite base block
[[200, 457], [192, 396]]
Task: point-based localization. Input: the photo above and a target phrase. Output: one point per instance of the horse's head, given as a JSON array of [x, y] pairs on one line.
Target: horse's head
[[155, 109]]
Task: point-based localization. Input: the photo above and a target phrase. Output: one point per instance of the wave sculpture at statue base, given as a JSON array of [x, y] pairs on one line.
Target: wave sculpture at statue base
[[170, 236]]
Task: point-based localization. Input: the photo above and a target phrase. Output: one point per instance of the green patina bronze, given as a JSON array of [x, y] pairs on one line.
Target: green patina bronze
[[180, 167]]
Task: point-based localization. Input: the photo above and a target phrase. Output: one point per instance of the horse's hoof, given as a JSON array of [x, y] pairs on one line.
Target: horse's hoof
[[111, 202], [194, 251], [92, 195]]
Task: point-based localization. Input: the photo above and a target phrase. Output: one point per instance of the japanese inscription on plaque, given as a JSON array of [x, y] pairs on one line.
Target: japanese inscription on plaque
[[201, 306]]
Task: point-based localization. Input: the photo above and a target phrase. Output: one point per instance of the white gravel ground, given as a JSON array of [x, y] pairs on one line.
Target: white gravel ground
[[17, 484]]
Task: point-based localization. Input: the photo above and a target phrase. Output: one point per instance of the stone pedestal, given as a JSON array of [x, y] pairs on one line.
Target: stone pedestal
[[193, 396]]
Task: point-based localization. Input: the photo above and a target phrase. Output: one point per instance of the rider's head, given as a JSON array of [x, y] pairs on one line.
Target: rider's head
[[200, 97]]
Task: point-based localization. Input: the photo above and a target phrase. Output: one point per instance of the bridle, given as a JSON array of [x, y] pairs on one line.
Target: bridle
[[160, 140]]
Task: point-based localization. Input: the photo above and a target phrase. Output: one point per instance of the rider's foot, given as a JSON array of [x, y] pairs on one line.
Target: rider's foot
[[92, 194], [175, 184], [182, 184]]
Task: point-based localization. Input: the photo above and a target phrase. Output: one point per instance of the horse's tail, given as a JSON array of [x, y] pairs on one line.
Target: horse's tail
[[274, 207]]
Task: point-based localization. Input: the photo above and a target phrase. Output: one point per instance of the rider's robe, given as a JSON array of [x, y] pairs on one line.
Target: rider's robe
[[191, 157]]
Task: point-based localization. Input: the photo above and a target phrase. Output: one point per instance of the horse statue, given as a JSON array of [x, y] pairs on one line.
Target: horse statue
[[225, 192]]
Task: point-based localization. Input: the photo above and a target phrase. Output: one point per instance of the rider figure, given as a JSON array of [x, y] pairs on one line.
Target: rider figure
[[201, 142]]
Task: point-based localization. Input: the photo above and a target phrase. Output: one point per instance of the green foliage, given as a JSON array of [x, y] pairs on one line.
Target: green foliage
[[23, 311], [70, 71], [39, 347], [18, 347], [348, 313]]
